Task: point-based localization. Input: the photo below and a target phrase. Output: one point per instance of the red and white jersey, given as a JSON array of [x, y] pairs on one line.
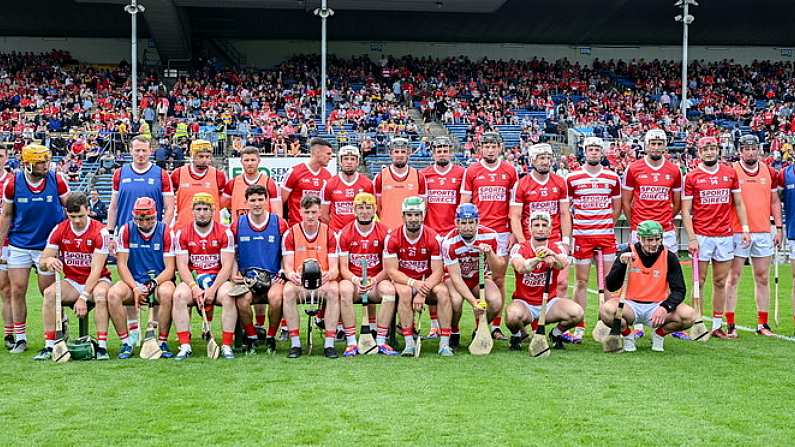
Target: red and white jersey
[[77, 248], [443, 188], [653, 192], [414, 256], [204, 249], [358, 246], [338, 195], [530, 286], [300, 181], [532, 195], [713, 202], [490, 189], [455, 250], [592, 199]]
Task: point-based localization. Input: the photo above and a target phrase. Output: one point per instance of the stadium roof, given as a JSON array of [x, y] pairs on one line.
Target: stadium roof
[[173, 24]]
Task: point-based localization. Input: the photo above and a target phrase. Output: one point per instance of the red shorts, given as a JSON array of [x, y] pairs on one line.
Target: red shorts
[[584, 246]]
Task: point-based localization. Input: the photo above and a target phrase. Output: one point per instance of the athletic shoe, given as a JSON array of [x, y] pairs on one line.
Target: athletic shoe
[[183, 354], [167, 354], [19, 347], [497, 334], [732, 334], [44, 354], [351, 351], [445, 351], [657, 342], [557, 341], [681, 335], [132, 337], [249, 348], [320, 324], [262, 334], [455, 340], [433, 333], [283, 334], [339, 337], [515, 343], [9, 341], [102, 354], [387, 351], [629, 343], [640, 333], [125, 352], [226, 352], [331, 353], [294, 352], [719, 334], [408, 351], [765, 330], [579, 333], [270, 345], [575, 338]]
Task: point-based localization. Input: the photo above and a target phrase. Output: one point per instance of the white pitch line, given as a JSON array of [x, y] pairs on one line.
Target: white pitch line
[[742, 328]]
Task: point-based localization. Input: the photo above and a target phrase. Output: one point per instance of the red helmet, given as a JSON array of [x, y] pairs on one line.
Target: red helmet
[[144, 206]]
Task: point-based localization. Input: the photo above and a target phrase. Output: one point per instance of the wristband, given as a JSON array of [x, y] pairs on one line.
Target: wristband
[[566, 240], [84, 296], [192, 284], [527, 265], [746, 229], [779, 227], [410, 283]]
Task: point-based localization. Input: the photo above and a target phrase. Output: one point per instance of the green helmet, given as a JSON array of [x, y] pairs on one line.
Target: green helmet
[[649, 228], [82, 349], [413, 203]]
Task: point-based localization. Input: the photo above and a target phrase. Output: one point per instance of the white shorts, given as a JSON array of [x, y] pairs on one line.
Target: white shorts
[[669, 240], [4, 266], [502, 243], [761, 246], [82, 287], [21, 258], [642, 311], [715, 248], [535, 311], [790, 250]]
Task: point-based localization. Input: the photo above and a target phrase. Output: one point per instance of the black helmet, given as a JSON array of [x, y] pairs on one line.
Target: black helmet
[[311, 274]]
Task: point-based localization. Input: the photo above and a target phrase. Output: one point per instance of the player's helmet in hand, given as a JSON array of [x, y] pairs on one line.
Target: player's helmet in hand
[[311, 276]]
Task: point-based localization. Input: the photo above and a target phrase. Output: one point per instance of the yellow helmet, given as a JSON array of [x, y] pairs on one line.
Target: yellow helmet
[[202, 198], [199, 146], [364, 197], [35, 153]]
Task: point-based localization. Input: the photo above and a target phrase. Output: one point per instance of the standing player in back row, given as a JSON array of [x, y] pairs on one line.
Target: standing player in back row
[[652, 191], [487, 184], [197, 177], [542, 190], [395, 183], [443, 179], [337, 195], [306, 179], [595, 195], [34, 199], [759, 188]]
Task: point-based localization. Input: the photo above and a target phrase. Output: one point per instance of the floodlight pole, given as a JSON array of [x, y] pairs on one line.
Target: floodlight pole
[[133, 9], [324, 12], [686, 20]]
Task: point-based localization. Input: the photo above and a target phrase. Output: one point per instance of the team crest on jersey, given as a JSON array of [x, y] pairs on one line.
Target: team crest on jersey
[[423, 251], [151, 181], [493, 177], [49, 199], [89, 242], [156, 247], [668, 177], [214, 243], [365, 243], [655, 177], [271, 239]]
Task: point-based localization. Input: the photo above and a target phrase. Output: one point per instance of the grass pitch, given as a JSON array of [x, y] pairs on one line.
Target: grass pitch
[[721, 393]]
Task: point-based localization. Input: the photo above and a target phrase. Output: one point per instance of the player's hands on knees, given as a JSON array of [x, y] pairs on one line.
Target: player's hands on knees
[[55, 265], [423, 287], [294, 278], [324, 278], [198, 295], [659, 316], [626, 258], [237, 278], [139, 296], [418, 302]]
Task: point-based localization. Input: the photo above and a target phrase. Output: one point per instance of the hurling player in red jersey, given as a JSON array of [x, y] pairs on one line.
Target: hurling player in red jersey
[[77, 248], [363, 241], [443, 183], [337, 195], [207, 248], [542, 190], [712, 194], [531, 260], [595, 195], [461, 250], [487, 184], [413, 261], [306, 179]]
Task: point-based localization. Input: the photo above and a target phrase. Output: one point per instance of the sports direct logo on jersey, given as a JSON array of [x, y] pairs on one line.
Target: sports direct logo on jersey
[[651, 192], [371, 258], [492, 193], [444, 196], [534, 279], [714, 196], [75, 259], [416, 266], [593, 202], [205, 262], [550, 206]]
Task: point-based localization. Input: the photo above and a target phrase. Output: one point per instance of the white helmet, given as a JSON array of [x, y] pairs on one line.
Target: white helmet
[[540, 215], [593, 141], [349, 149], [655, 134], [539, 149]]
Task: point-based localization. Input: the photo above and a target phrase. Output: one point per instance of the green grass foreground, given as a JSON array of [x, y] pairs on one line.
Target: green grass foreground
[[722, 393]]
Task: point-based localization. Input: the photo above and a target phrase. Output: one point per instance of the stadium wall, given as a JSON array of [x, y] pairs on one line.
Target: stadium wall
[[267, 53], [84, 49]]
